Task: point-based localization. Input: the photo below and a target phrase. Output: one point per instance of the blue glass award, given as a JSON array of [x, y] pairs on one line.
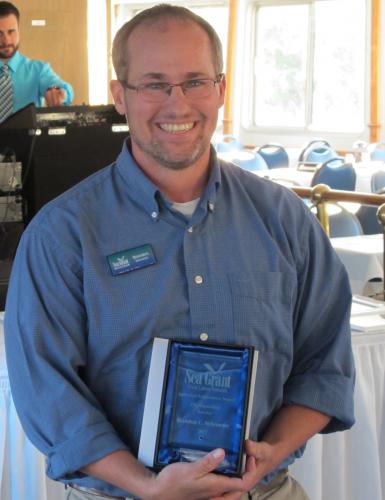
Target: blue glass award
[[205, 404]]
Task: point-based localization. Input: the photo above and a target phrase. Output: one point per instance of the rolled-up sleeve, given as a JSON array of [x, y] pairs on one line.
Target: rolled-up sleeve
[[46, 348], [323, 373]]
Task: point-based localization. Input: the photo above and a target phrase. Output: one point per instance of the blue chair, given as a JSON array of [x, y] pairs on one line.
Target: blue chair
[[227, 144], [377, 151], [367, 216], [336, 174], [275, 155], [378, 181], [317, 151], [249, 160], [344, 223]]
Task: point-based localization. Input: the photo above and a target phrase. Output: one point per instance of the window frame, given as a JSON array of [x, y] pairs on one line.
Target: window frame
[[245, 95]]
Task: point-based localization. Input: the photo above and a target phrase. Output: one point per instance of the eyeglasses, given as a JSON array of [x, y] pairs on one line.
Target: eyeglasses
[[157, 92]]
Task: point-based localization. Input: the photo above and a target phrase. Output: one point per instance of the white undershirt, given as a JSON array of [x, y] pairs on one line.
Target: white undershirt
[[187, 208]]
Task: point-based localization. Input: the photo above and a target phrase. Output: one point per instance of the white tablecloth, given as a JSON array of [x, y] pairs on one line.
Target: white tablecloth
[[289, 175], [364, 173], [343, 466], [362, 257], [22, 466], [351, 465]]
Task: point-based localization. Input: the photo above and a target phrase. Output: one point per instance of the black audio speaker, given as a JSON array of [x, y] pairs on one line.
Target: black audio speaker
[[60, 160]]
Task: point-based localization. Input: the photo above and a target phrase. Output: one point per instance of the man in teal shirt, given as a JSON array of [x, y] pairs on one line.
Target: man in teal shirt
[[32, 80]]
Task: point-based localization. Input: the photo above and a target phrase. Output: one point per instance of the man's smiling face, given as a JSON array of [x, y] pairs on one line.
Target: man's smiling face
[[175, 133]]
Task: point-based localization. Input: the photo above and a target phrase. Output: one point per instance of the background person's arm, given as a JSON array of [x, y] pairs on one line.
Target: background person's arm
[[49, 85]]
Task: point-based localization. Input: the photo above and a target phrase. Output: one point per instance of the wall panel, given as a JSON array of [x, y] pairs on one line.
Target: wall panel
[[62, 41]]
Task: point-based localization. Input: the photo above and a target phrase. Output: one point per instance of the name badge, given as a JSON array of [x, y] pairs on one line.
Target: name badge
[[131, 259]]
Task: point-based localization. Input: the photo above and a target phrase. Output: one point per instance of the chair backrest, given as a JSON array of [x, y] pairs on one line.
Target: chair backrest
[[275, 155], [344, 223], [378, 181], [367, 215], [317, 151], [368, 219], [336, 174], [377, 151], [227, 143], [249, 160]]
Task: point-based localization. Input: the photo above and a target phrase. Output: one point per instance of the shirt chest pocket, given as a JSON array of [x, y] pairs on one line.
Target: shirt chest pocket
[[262, 309]]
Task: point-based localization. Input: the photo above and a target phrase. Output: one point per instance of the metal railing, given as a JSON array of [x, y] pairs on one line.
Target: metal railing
[[321, 194]]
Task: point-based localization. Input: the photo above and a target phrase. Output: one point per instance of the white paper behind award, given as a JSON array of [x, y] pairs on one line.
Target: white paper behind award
[[171, 401]]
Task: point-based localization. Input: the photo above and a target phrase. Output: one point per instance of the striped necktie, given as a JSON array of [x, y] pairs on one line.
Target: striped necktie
[[6, 93]]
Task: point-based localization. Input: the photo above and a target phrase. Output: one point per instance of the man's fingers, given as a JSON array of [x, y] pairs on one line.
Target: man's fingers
[[252, 473], [54, 97], [251, 466], [248, 481], [255, 449], [209, 462]]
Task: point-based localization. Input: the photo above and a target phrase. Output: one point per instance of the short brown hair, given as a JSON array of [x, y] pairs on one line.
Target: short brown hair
[[7, 8], [153, 15]]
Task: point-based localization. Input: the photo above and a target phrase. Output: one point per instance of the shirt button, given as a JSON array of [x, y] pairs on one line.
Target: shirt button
[[198, 279], [203, 337], [190, 229], [154, 215]]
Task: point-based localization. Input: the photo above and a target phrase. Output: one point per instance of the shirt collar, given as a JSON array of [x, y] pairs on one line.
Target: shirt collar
[[146, 194], [12, 63]]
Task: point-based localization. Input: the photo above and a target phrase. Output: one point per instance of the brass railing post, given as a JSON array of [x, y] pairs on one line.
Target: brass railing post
[[317, 194], [381, 220]]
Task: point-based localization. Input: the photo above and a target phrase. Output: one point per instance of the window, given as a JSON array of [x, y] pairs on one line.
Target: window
[[309, 63], [215, 12]]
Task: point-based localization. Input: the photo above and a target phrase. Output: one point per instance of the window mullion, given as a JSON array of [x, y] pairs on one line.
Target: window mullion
[[309, 87]]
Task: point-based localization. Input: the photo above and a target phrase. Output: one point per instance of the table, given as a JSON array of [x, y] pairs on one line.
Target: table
[[288, 175], [342, 466], [362, 257], [22, 466], [351, 465]]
